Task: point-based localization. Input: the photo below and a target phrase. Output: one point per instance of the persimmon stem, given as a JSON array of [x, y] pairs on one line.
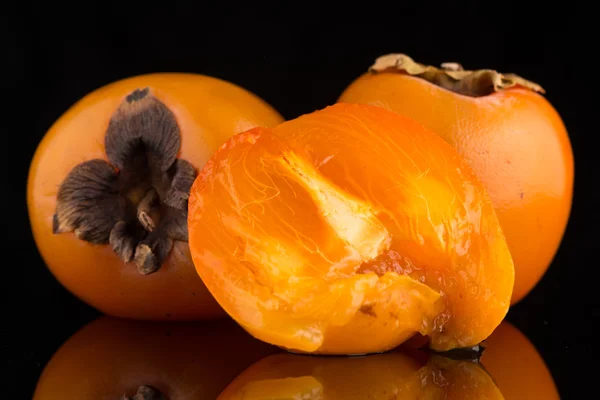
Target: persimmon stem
[[452, 76], [145, 392], [137, 201]]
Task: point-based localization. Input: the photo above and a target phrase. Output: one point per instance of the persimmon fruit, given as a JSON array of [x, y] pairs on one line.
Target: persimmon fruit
[[511, 136], [109, 183], [113, 358], [393, 375], [347, 230]]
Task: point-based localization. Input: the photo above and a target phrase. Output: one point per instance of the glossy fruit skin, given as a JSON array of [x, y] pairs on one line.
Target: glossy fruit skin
[[516, 366], [111, 357], [394, 375], [518, 146], [208, 111], [273, 214]]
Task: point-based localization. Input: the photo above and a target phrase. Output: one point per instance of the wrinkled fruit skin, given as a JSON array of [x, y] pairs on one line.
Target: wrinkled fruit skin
[[208, 111], [393, 375], [346, 231], [111, 357], [517, 145]]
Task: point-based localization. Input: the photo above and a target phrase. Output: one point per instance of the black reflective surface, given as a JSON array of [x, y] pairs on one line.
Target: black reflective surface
[[61, 356], [109, 357], [297, 60]]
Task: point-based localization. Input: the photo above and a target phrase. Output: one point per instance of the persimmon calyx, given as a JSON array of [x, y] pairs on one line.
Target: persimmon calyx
[[137, 201], [145, 392], [452, 76]]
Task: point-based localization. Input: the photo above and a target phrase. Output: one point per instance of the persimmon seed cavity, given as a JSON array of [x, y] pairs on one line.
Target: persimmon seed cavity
[[137, 201], [145, 392]]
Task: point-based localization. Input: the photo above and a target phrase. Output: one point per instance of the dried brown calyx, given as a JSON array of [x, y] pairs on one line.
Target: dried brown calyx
[[145, 392], [136, 202], [453, 77]]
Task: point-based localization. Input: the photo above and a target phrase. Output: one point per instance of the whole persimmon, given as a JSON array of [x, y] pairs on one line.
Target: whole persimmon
[[112, 358], [516, 366], [347, 230], [109, 183], [394, 375], [509, 134]]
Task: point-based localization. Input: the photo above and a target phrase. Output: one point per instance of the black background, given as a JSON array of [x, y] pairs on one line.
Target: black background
[[298, 59]]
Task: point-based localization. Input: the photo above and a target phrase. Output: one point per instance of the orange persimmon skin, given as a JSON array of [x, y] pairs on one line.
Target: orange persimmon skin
[[516, 366], [208, 111], [111, 357], [346, 231], [518, 146]]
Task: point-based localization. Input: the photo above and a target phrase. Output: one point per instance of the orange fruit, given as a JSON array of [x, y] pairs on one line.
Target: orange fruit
[[510, 135], [108, 186], [346, 231]]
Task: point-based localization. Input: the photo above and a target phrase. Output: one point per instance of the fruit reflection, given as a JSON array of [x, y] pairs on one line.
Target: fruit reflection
[[393, 375], [111, 359], [511, 368], [516, 366]]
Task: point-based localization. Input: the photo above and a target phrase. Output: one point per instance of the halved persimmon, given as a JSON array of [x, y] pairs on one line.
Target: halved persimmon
[[512, 137], [346, 231], [108, 188]]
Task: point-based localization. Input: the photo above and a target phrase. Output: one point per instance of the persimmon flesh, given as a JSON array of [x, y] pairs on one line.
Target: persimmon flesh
[[109, 183], [346, 231]]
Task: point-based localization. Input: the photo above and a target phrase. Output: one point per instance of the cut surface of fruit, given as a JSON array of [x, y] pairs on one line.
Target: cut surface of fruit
[[346, 231]]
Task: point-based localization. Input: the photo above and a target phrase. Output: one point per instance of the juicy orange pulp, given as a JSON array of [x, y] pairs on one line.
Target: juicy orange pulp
[[346, 231]]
